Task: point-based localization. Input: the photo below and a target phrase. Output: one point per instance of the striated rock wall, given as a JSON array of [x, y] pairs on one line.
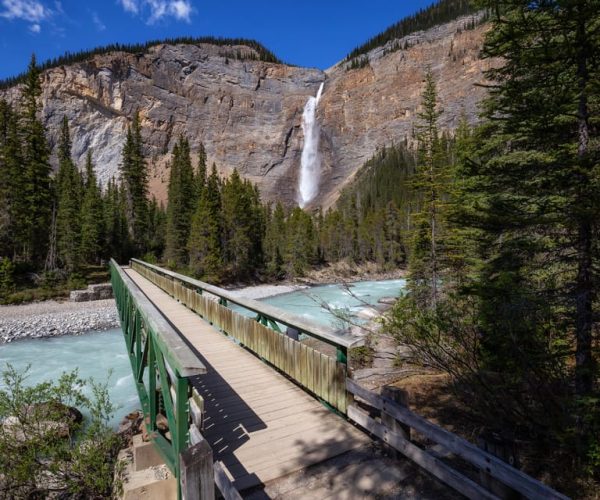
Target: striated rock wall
[[248, 113]]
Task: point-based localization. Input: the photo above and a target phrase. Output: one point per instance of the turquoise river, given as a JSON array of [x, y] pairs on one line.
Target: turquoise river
[[101, 355]]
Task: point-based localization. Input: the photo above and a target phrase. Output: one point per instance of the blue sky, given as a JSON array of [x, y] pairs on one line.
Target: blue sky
[[304, 32]]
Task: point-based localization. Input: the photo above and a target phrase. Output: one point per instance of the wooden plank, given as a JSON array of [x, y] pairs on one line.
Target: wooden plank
[[341, 384], [370, 397], [498, 469], [197, 473], [224, 484], [434, 466], [196, 413], [495, 467], [261, 411], [288, 319]]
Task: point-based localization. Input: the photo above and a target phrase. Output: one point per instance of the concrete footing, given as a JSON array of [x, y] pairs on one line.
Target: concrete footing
[[145, 475]]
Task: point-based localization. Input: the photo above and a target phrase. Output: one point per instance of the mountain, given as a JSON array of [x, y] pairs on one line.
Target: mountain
[[247, 109]]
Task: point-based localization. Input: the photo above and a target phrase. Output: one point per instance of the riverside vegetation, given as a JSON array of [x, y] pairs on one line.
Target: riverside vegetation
[[497, 225], [47, 448]]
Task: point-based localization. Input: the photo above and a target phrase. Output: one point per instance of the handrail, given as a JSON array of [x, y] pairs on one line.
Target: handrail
[[303, 325], [178, 353], [493, 466]]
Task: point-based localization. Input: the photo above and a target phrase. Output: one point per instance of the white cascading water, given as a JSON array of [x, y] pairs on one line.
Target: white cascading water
[[310, 163]]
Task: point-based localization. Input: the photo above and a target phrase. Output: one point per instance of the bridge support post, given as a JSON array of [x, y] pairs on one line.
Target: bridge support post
[[197, 480]]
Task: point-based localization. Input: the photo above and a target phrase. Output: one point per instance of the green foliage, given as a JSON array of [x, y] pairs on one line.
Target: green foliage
[[37, 192], [204, 245], [361, 356], [134, 177], [440, 12], [535, 186], [515, 320], [69, 185], [91, 216], [181, 194], [44, 448], [431, 183], [358, 63], [262, 53], [243, 227], [7, 276]]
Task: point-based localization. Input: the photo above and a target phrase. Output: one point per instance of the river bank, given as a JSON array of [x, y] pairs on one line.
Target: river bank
[[52, 318]]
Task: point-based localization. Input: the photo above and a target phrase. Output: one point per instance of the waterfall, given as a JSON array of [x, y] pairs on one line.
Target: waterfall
[[310, 164]]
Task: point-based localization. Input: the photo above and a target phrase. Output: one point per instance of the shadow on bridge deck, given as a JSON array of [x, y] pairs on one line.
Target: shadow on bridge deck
[[258, 423]]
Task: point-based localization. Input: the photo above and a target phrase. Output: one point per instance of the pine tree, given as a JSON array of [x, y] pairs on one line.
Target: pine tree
[[92, 222], [68, 206], [117, 243], [157, 222], [237, 225], [302, 243], [205, 245], [431, 181], [275, 242], [37, 191], [181, 204], [12, 184], [135, 180], [200, 175], [537, 181]]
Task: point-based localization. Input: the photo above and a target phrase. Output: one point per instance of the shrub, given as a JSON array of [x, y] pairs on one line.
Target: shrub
[[45, 448]]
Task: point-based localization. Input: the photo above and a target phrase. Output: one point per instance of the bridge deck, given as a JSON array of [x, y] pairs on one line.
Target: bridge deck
[[258, 423]]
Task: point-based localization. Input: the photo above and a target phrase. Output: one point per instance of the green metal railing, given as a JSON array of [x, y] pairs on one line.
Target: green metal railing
[[161, 363]]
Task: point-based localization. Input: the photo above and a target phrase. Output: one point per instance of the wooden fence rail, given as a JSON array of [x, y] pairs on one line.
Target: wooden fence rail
[[320, 374], [493, 466]]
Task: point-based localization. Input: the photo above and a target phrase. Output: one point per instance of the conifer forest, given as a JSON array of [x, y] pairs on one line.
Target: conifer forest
[[495, 223]]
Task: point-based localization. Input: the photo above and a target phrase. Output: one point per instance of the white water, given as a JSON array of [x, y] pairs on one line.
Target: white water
[[309, 303], [310, 163]]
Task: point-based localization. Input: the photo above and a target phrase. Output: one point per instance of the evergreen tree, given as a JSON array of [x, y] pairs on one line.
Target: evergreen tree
[[12, 184], [275, 242], [157, 222], [68, 191], [238, 230], [200, 176], [37, 192], [135, 180], [536, 181], [205, 246], [117, 243], [431, 181], [302, 247], [92, 221], [181, 204]]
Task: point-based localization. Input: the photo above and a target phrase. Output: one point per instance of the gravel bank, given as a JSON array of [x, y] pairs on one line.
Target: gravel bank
[[51, 319], [263, 291]]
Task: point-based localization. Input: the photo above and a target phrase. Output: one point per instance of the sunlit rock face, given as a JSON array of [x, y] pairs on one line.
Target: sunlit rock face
[[248, 114]]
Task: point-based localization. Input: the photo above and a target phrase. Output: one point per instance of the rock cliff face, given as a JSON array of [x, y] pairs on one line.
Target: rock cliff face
[[248, 113]]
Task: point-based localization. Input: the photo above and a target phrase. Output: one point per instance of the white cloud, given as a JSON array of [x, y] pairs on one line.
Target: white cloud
[[181, 9], [35, 28], [26, 10], [157, 10], [100, 26], [130, 6]]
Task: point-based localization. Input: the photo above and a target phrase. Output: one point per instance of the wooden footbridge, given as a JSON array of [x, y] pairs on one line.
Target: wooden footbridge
[[246, 400]]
